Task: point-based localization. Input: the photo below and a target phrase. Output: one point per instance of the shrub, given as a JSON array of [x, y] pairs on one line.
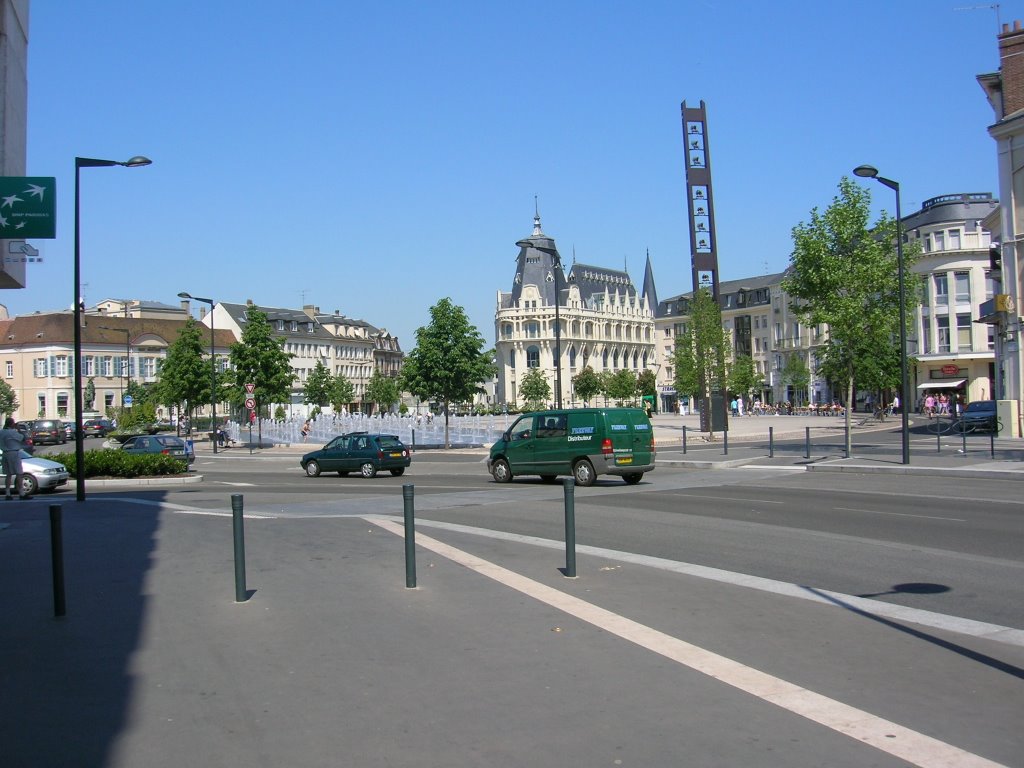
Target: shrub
[[115, 463]]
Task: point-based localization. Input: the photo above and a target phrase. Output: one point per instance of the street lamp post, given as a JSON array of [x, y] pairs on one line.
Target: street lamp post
[[213, 367], [127, 362], [870, 172], [85, 162]]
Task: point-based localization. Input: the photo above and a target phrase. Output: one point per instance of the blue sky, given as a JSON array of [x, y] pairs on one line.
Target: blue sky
[[374, 158]]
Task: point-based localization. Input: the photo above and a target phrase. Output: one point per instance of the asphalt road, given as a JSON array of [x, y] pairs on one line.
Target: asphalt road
[[801, 576]]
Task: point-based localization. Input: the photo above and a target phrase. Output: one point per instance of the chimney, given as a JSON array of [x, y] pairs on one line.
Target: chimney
[[310, 311], [1011, 67], [186, 307], [202, 313]]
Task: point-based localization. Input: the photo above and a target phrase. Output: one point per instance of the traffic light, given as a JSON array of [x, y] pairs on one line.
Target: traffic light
[[995, 258]]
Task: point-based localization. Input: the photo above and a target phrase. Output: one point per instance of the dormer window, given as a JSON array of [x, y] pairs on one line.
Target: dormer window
[[295, 325], [280, 325]]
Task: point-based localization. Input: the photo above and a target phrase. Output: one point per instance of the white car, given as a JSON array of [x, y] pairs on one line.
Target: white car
[[40, 474]]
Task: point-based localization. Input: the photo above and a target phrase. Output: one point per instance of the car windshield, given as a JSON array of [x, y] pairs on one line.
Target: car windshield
[[981, 406]]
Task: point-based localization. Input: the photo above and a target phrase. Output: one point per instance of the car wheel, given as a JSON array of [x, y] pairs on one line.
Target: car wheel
[[633, 478], [368, 470], [501, 471], [312, 469], [342, 473], [583, 471], [29, 486], [398, 471]]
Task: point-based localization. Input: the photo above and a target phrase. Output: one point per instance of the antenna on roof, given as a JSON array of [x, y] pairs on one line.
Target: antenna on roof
[[993, 7]]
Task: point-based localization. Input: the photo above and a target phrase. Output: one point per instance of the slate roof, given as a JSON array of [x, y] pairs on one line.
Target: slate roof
[[59, 328]]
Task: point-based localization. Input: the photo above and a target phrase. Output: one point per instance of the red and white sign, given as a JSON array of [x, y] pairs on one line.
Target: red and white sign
[[950, 370], [250, 403], [249, 388]]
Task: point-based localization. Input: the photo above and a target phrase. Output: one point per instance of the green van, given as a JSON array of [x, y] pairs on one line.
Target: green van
[[582, 442]]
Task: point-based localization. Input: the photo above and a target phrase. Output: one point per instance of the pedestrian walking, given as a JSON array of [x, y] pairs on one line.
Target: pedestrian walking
[[306, 429], [11, 442]]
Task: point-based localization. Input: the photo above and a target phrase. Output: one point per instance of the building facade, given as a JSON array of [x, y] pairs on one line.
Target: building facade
[[602, 322], [346, 346], [37, 360], [1005, 92]]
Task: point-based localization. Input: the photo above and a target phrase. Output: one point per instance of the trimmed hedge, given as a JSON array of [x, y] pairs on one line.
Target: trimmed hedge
[[114, 463]]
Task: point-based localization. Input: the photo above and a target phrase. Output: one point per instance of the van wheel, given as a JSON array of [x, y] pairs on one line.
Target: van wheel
[[583, 471], [312, 469], [633, 478], [368, 470], [549, 478], [501, 471]]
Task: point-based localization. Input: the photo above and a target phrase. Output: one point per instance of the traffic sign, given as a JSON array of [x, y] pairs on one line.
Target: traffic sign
[[250, 403], [249, 388], [128, 401]]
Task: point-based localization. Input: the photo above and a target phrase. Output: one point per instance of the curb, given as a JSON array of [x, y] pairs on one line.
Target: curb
[[135, 482]]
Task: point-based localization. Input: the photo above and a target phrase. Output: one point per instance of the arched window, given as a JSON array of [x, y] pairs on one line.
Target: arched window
[[512, 359], [604, 359], [533, 357], [572, 357]]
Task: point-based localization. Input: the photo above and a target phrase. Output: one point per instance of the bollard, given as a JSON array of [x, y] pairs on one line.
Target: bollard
[[938, 439], [238, 531], [410, 536], [725, 442], [413, 443], [992, 444], [807, 442], [684, 439], [771, 442], [569, 485], [963, 434], [57, 560]]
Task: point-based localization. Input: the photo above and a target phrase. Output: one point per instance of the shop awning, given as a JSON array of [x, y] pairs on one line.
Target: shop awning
[[944, 384]]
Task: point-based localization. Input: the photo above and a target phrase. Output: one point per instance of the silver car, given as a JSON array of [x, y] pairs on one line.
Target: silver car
[[41, 474]]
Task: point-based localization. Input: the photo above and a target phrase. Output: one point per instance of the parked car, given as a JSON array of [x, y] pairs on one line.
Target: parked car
[[69, 430], [169, 445], [43, 431], [97, 427], [40, 474], [980, 414], [358, 452]]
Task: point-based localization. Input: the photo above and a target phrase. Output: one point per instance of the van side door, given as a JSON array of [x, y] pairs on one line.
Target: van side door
[[521, 447], [551, 452]]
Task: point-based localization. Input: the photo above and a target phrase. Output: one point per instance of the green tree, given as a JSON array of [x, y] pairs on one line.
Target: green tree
[[796, 374], [534, 390], [699, 356], [844, 274], [342, 393], [318, 386], [383, 390], [259, 359], [8, 399], [622, 386], [647, 385], [743, 377], [184, 376], [448, 364], [587, 384]]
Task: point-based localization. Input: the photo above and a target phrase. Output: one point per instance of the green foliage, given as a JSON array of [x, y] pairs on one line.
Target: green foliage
[[318, 386], [139, 415], [342, 393], [382, 390], [622, 387], [280, 414], [448, 363], [117, 463], [743, 376], [8, 399], [534, 390], [699, 356], [647, 384], [796, 374], [259, 359], [587, 384], [844, 274], [185, 377]]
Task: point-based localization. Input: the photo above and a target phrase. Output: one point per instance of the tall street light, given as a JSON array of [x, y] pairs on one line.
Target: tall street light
[[85, 162], [127, 361], [870, 172], [213, 366]]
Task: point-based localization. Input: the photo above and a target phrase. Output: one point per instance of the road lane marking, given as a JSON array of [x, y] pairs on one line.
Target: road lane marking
[[898, 514], [864, 727], [963, 626]]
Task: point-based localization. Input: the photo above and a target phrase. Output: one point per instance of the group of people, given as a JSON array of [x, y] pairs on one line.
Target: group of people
[[941, 405]]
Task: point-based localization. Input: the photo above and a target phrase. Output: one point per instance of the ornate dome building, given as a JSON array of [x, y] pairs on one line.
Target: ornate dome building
[[604, 321]]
